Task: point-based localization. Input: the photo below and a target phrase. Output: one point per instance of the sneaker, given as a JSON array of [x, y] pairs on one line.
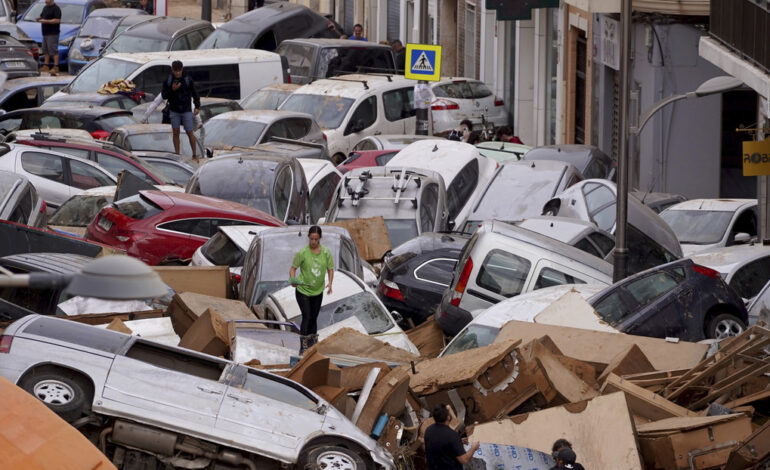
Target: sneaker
[[44, 68], [54, 71]]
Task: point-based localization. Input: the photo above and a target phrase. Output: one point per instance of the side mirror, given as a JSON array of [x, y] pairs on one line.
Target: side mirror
[[397, 317], [741, 238]]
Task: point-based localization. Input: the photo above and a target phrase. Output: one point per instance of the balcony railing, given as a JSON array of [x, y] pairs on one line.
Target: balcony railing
[[743, 26]]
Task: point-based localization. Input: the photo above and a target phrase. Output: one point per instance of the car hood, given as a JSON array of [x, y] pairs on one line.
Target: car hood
[[34, 31], [689, 249]]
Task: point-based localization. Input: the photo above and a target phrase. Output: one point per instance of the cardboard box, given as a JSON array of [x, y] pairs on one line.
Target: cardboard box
[[207, 335], [186, 307], [370, 235], [207, 280]]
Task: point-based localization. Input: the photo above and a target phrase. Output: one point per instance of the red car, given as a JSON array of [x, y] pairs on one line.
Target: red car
[[167, 228], [361, 158]]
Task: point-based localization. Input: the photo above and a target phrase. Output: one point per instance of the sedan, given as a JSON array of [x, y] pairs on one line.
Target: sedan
[[166, 228], [18, 34], [464, 98], [16, 59], [191, 403]]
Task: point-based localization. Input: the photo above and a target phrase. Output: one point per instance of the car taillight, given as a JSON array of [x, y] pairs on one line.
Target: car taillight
[[30, 53], [461, 283], [499, 102], [708, 272], [236, 278], [444, 106], [326, 139], [390, 289], [5, 344], [100, 135], [43, 207]]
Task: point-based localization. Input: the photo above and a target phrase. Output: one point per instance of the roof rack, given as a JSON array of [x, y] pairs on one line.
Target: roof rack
[[401, 178], [366, 85], [379, 72], [294, 141]]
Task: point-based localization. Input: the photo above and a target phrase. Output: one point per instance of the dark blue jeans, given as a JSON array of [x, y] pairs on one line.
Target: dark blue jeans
[[310, 307]]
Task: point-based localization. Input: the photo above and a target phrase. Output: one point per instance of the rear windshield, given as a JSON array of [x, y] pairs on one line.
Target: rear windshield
[[109, 123], [221, 133], [159, 142], [221, 251], [462, 90], [79, 211], [328, 111], [265, 99], [100, 72], [222, 38], [137, 207], [128, 43], [475, 336], [363, 306]]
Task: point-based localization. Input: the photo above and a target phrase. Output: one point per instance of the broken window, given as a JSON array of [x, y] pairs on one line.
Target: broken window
[[278, 391], [176, 360], [363, 305]]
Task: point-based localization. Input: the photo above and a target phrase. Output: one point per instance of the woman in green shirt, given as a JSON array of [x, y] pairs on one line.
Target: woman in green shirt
[[313, 262]]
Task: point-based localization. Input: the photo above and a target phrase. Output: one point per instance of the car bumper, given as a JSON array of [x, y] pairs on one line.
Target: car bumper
[[21, 73], [452, 319]]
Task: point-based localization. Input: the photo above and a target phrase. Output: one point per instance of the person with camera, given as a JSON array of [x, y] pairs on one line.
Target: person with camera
[[178, 90]]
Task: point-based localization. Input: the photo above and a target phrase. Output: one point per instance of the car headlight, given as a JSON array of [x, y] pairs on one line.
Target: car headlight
[[67, 42], [75, 54]]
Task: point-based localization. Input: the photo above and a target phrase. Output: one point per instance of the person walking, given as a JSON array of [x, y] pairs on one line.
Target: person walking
[[313, 261], [443, 445], [178, 90], [50, 19], [399, 51]]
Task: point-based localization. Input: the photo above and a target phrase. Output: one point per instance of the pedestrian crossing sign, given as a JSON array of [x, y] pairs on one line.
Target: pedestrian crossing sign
[[423, 62]]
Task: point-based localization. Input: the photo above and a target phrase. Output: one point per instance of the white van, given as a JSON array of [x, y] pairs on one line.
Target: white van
[[218, 73]]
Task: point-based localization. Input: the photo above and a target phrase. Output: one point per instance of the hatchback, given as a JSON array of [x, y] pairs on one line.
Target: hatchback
[[31, 92], [245, 129], [94, 34], [745, 268], [97, 120], [18, 34], [16, 59], [19, 201], [160, 33], [166, 228], [456, 99]]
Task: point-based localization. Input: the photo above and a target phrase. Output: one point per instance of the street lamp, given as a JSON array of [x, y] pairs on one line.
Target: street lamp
[[711, 86], [113, 277]]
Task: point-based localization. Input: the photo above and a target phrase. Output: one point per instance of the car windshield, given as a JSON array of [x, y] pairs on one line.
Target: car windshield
[[265, 99], [221, 133], [281, 254], [128, 43], [159, 142], [98, 27], [475, 336], [363, 305], [698, 227], [328, 111], [222, 38], [79, 211], [70, 14], [101, 71]]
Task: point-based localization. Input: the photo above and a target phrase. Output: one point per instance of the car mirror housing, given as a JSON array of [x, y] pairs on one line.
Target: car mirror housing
[[742, 237]]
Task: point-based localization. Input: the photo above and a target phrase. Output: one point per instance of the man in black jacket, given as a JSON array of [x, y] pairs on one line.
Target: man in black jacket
[[179, 89]]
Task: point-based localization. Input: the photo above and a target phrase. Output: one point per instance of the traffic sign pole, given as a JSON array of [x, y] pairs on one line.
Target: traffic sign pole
[[423, 63]]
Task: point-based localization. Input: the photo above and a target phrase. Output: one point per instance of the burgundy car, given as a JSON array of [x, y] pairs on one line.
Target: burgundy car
[[362, 158], [166, 228]]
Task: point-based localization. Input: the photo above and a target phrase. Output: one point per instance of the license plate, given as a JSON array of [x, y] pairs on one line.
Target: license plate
[[105, 224], [15, 64]]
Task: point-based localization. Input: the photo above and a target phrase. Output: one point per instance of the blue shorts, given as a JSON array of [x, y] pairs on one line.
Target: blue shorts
[[184, 119]]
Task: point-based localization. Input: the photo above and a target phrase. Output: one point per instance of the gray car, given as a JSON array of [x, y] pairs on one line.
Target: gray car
[[161, 33], [19, 201], [16, 60], [30, 92], [589, 160], [171, 403]]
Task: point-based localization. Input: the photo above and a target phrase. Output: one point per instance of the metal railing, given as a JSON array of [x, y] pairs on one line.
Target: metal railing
[[744, 27]]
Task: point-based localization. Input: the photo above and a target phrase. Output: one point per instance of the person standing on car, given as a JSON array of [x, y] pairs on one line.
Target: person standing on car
[[50, 18], [444, 448], [313, 261], [178, 90]]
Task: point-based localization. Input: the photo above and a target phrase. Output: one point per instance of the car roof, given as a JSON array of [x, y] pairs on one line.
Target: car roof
[[729, 205], [16, 83], [352, 85], [547, 243], [565, 229], [281, 87], [164, 26], [266, 14], [58, 263], [86, 96], [84, 111], [326, 42], [194, 202], [727, 258], [446, 157], [264, 116], [117, 12], [198, 56]]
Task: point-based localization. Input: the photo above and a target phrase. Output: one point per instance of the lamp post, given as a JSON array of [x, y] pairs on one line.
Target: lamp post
[[711, 86]]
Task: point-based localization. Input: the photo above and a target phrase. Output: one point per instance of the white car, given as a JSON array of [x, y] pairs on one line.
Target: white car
[[745, 268], [388, 141], [502, 151], [269, 97], [465, 171], [352, 107], [701, 224], [226, 248], [456, 99], [351, 304], [578, 233], [56, 176], [322, 179]]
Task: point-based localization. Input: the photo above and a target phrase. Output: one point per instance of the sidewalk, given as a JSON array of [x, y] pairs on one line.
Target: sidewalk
[[192, 9]]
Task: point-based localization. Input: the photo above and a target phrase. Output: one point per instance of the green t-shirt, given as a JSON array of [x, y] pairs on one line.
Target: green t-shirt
[[312, 270]]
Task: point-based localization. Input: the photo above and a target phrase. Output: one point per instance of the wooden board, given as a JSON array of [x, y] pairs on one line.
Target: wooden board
[[601, 432], [428, 338], [370, 235], [631, 361], [186, 307], [387, 397], [350, 342], [643, 402], [207, 280]]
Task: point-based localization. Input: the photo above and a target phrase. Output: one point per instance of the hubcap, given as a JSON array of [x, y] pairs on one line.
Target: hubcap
[[727, 328], [334, 460], [53, 392]]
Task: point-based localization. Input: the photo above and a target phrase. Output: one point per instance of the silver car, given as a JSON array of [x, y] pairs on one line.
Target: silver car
[[178, 405], [19, 202]]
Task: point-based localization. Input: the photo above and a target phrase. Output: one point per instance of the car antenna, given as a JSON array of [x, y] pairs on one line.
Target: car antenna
[[435, 147]]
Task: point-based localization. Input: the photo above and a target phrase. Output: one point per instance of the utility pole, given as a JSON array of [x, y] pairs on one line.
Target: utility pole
[[421, 90], [621, 244]]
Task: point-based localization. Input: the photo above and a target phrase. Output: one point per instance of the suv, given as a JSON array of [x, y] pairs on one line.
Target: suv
[[412, 201], [355, 106], [502, 260], [163, 33], [311, 59]]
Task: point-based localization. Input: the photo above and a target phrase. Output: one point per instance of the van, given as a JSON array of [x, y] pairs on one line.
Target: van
[[502, 260], [221, 73]]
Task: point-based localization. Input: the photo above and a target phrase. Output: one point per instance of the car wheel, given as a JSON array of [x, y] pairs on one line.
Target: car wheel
[[331, 458], [64, 393], [338, 158], [725, 325]]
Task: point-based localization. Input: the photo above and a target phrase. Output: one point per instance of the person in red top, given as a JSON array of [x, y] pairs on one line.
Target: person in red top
[[505, 134]]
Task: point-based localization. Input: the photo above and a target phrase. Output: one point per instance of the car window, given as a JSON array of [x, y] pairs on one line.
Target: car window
[[600, 202], [137, 207], [398, 104], [150, 80], [551, 277], [428, 207], [23, 209], [479, 90], [472, 337], [645, 253], [177, 173], [328, 111], [365, 144], [650, 287], [604, 242], [39, 120], [461, 188], [347, 258], [180, 44], [438, 271], [282, 192], [595, 169], [219, 81], [612, 308], [85, 176], [300, 58], [363, 305], [277, 391], [383, 159], [75, 152], [322, 194], [266, 42], [199, 227], [112, 104], [176, 360], [79, 211], [115, 165], [10, 123], [297, 128], [221, 251], [503, 273], [46, 166], [195, 38], [127, 103], [364, 116], [751, 278], [457, 90]]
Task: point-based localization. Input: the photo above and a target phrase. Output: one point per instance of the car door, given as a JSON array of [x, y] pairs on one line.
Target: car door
[[661, 301], [361, 122], [283, 190], [86, 176], [321, 196], [398, 108], [501, 275], [48, 174], [750, 278], [115, 165], [548, 273], [271, 416], [160, 384]]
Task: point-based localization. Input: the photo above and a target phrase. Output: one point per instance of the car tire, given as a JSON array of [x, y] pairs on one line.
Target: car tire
[[725, 325], [63, 392], [331, 457]]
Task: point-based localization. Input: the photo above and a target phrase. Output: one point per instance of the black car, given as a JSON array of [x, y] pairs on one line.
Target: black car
[[43, 301], [115, 100], [416, 273], [265, 27], [97, 120], [210, 107], [16, 59], [30, 92], [680, 299], [162, 33], [589, 160]]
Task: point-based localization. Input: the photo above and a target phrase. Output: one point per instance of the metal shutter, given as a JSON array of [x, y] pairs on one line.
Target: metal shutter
[[349, 16], [394, 19]]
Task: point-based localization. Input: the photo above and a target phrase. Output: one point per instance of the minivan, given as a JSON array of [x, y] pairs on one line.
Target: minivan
[[223, 73], [501, 261]]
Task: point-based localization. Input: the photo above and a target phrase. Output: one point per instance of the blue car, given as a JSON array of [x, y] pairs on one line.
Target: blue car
[[73, 13], [94, 34]]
